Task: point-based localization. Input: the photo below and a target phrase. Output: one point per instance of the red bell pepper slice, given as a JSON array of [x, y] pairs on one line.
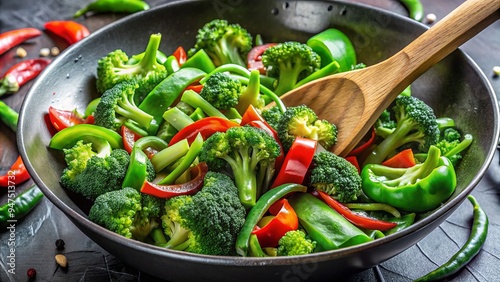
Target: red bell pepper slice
[[129, 137], [285, 219], [354, 161], [403, 159], [180, 55], [195, 87], [70, 31], [205, 126], [251, 114], [62, 119], [297, 162], [254, 58], [189, 188], [354, 218], [363, 146], [16, 175]]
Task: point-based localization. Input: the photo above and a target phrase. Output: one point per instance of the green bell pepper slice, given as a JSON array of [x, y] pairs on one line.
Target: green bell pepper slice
[[200, 60], [420, 188], [68, 137], [333, 45], [137, 170], [325, 226], [167, 91]]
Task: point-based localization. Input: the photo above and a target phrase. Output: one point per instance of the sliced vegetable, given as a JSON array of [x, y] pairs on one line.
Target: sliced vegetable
[[62, 119], [403, 159], [205, 126], [284, 219], [254, 57], [68, 137], [333, 45], [167, 191], [129, 137], [137, 170], [180, 55]]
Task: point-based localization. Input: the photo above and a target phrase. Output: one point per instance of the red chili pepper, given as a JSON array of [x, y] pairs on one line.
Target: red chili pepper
[[354, 218], [254, 58], [403, 159], [62, 119], [189, 188], [70, 31], [16, 175], [15, 37], [251, 114], [205, 126], [354, 161], [129, 137], [297, 162], [285, 219], [20, 73], [180, 55], [362, 147]]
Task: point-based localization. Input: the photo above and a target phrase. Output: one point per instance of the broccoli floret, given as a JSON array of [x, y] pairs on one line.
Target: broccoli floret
[[250, 153], [272, 116], [225, 43], [117, 107], [91, 174], [114, 68], [335, 176], [290, 62], [302, 121], [221, 91], [451, 144], [415, 124], [207, 222], [295, 243], [385, 125], [127, 212]]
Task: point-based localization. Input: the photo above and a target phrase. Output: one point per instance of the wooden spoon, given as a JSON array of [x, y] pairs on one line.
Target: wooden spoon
[[354, 100]]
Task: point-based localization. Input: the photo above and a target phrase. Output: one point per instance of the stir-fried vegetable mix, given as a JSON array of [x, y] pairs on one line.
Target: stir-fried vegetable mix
[[195, 151]]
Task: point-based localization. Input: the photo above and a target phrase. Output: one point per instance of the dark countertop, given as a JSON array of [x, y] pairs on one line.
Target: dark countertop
[[35, 236]]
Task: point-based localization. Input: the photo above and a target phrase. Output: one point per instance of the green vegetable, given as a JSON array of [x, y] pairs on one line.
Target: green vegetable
[[196, 101], [169, 155], [177, 118], [225, 43], [259, 209], [329, 69], [451, 145], [415, 124], [113, 6], [419, 188], [68, 137], [415, 9], [221, 91], [117, 107], [92, 174], [127, 212], [335, 176], [20, 206], [250, 153], [332, 45], [199, 60], [290, 62], [302, 121], [324, 225], [403, 222], [295, 243], [8, 116], [148, 72], [168, 90], [469, 250], [139, 170], [251, 94], [207, 222], [272, 116]]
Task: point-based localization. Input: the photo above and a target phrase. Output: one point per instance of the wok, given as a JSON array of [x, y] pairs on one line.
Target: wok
[[455, 87]]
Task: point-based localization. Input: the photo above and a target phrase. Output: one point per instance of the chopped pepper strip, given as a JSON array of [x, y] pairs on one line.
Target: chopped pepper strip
[[284, 220], [365, 145], [403, 159], [254, 57], [354, 218], [297, 162], [180, 55], [62, 119], [188, 188], [205, 126], [68, 137], [16, 175], [137, 172], [70, 31]]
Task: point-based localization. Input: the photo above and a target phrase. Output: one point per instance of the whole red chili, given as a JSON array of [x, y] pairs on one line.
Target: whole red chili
[[16, 175], [70, 31], [15, 37], [20, 73]]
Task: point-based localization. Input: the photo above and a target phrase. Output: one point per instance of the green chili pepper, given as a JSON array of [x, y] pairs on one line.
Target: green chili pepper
[[20, 206], [113, 6], [8, 116], [415, 9], [403, 222], [420, 188], [167, 91], [254, 248], [325, 226], [469, 250], [186, 161], [259, 209], [333, 45], [200, 60], [68, 137]]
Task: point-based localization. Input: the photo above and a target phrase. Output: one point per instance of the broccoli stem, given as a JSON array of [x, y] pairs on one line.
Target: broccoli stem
[[251, 94], [169, 155], [461, 146], [287, 77], [413, 174], [196, 101], [266, 91], [179, 236], [243, 166], [177, 118]]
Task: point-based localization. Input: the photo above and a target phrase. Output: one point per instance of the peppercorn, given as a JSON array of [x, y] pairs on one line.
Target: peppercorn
[[31, 273], [60, 244]]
